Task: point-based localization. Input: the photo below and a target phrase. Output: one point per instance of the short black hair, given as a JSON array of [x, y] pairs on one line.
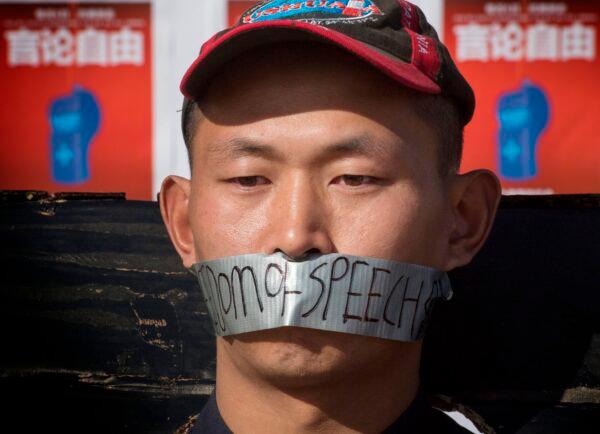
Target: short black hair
[[190, 119], [444, 115], [437, 110]]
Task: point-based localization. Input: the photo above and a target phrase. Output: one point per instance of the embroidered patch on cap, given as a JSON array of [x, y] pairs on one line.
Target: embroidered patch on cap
[[339, 10], [424, 54], [409, 16]]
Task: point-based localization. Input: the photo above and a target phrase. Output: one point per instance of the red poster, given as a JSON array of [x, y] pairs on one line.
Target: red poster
[[535, 71], [77, 91]]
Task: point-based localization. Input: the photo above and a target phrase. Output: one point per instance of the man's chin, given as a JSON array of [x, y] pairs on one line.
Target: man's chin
[[301, 357]]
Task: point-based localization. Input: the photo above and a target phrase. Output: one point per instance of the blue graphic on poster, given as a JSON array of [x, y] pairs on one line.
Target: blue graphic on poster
[[523, 117], [75, 120]]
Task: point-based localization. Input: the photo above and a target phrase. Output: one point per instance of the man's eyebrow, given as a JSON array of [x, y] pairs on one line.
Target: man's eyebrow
[[239, 147], [362, 145]]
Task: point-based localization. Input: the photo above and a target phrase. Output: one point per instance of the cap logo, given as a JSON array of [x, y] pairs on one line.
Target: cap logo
[[342, 10], [424, 54]]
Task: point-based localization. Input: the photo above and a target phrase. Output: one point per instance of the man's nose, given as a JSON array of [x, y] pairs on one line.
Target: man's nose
[[299, 220]]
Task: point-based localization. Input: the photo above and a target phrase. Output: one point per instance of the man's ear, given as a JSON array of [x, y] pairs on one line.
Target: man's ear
[[474, 200], [174, 199]]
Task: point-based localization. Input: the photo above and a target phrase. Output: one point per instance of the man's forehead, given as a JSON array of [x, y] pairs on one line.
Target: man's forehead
[[278, 81], [346, 137], [283, 86]]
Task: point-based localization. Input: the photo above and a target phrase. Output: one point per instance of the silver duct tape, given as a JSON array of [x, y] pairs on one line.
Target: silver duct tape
[[342, 293]]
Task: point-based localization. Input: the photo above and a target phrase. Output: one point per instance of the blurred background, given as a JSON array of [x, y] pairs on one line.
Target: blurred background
[[90, 90]]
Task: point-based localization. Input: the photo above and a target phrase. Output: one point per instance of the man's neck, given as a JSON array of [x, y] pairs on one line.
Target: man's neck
[[366, 403]]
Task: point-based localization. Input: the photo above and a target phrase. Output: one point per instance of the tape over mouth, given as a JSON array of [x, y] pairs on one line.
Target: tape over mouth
[[342, 293]]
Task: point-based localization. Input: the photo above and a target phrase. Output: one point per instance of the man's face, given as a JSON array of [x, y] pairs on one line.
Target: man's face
[[314, 151]]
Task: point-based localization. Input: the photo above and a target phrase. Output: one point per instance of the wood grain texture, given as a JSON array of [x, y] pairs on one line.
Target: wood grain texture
[[102, 328]]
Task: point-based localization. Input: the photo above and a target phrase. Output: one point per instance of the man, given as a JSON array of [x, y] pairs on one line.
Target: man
[[317, 129]]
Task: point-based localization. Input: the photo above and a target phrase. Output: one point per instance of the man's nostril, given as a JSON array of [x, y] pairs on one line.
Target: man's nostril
[[303, 257]]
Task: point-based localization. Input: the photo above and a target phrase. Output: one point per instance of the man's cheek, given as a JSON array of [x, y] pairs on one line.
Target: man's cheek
[[378, 227], [225, 230]]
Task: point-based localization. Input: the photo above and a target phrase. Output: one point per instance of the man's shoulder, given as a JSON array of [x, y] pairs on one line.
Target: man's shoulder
[[439, 422]]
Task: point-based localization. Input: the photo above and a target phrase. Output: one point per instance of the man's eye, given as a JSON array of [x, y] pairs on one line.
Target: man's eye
[[355, 180], [249, 181]]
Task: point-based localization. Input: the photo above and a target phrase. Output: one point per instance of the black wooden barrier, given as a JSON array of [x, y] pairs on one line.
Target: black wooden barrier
[[102, 330]]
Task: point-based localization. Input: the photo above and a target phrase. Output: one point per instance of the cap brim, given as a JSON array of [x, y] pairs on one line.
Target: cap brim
[[218, 51]]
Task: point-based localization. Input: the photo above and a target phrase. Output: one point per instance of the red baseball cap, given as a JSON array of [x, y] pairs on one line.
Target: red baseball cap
[[392, 35]]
